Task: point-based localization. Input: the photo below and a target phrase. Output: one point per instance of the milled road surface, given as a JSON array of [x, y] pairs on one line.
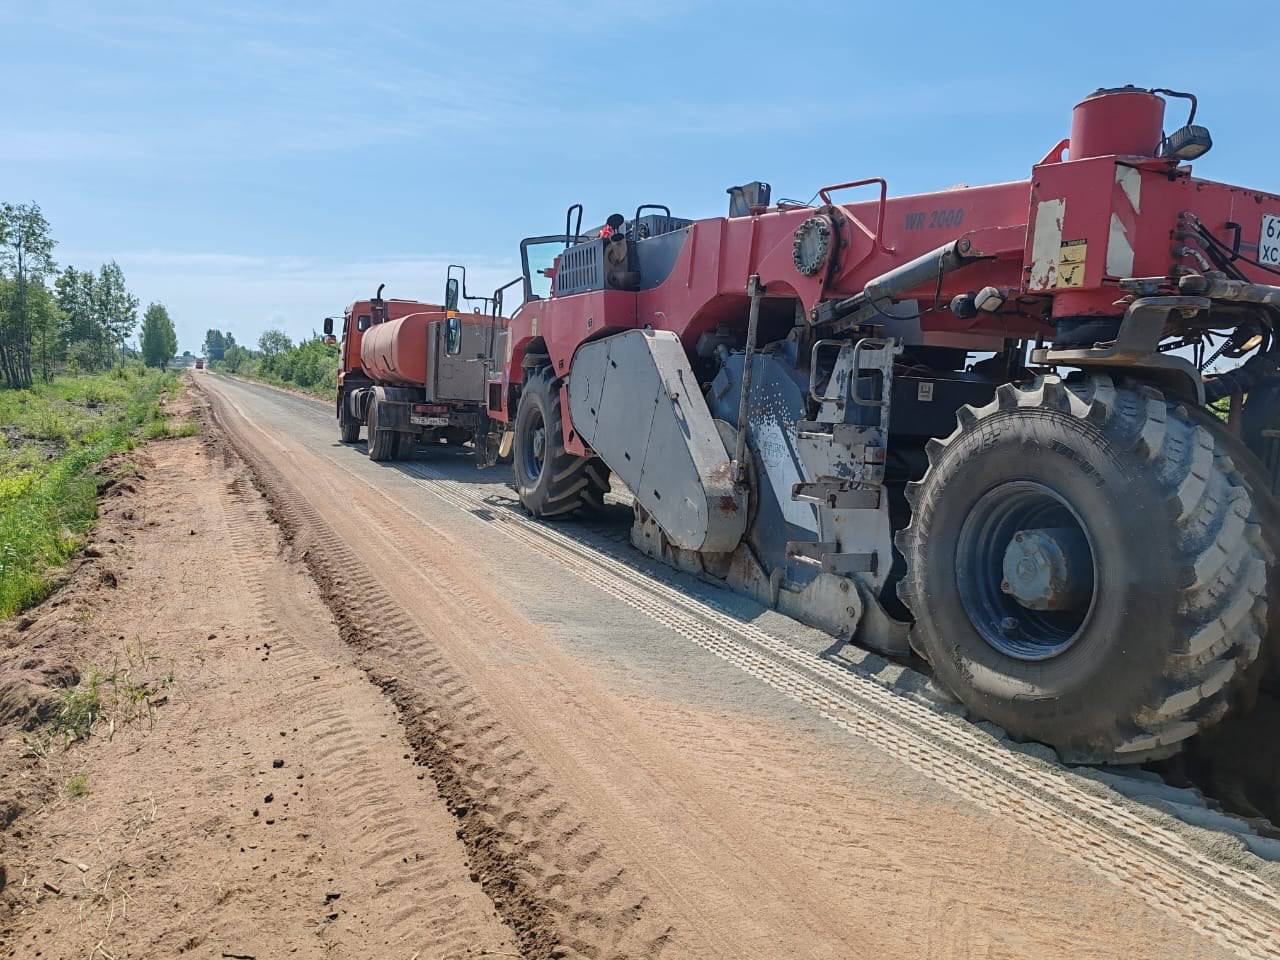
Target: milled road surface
[[638, 765]]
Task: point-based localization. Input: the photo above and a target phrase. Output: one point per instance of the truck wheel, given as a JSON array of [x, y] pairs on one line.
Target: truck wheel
[[1086, 568], [348, 426], [550, 481], [383, 444]]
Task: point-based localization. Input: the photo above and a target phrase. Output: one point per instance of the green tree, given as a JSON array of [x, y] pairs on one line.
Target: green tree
[[115, 307], [26, 258], [274, 341], [75, 298], [235, 358], [48, 330], [86, 339], [215, 346], [159, 339]]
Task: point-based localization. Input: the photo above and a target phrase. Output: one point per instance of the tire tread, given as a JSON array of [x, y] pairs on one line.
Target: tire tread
[[1223, 605], [576, 484]]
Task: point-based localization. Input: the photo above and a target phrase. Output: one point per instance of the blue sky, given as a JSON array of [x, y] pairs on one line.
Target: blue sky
[[258, 164]]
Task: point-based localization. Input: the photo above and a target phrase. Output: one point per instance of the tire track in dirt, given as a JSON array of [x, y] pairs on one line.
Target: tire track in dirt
[[414, 906], [500, 799], [532, 854], [705, 825], [1229, 904]]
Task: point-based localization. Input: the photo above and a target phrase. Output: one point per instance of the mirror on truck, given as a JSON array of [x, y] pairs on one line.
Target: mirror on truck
[[451, 295], [453, 335], [328, 326]]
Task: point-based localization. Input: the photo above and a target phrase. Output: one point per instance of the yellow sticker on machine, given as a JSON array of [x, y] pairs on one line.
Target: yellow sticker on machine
[[1071, 259]]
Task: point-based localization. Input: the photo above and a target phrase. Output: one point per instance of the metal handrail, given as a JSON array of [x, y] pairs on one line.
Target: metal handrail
[[813, 366], [878, 236]]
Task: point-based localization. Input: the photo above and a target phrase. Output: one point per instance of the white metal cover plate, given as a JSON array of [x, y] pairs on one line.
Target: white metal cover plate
[[1269, 244]]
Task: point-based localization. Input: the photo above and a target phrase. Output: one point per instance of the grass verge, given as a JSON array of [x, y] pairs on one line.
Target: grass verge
[[52, 438]]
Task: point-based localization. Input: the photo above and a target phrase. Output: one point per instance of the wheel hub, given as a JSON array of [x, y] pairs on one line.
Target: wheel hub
[[531, 446], [1048, 569], [1025, 570]]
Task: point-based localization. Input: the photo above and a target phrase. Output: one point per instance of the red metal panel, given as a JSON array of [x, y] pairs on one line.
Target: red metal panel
[[1123, 218], [1067, 238]]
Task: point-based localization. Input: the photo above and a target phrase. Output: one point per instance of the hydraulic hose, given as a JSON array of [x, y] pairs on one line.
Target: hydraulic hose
[[1262, 366]]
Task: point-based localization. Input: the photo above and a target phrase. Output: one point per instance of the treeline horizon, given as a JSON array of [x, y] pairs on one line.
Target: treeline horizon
[[77, 320], [311, 363]]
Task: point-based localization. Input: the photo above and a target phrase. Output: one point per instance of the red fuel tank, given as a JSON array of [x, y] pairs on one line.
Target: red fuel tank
[[398, 351]]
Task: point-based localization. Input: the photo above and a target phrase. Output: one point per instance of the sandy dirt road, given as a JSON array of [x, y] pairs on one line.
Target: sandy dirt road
[[268, 804], [642, 794], [522, 744]]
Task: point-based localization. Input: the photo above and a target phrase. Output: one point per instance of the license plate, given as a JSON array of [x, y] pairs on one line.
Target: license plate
[[1269, 245], [422, 421]]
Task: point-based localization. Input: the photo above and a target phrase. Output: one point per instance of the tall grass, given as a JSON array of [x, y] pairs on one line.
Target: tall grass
[[57, 434]]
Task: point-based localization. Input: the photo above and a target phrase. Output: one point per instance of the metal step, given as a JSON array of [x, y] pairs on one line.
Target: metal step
[[824, 555], [838, 494]]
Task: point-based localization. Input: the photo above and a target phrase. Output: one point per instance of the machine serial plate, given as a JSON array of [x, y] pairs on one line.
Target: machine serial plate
[[422, 421], [1269, 244]]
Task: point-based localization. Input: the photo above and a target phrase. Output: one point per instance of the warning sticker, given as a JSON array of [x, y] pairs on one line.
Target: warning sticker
[[1071, 260]]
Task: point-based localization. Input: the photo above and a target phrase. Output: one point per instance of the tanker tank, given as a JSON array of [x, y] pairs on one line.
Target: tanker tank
[[397, 352]]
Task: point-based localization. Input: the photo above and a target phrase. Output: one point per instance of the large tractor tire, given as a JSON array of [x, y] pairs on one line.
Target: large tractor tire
[[348, 426], [551, 482], [1086, 568], [1238, 762], [1260, 420], [383, 444]]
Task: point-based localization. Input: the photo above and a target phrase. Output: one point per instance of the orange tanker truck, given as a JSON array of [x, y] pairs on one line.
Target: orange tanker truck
[[415, 372]]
